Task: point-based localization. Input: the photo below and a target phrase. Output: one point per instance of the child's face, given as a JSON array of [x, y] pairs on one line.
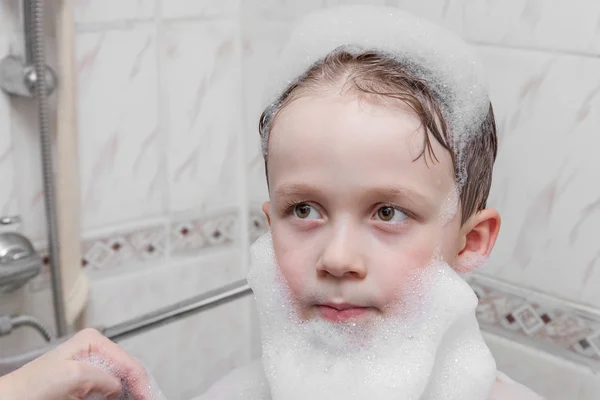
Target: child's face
[[352, 212]]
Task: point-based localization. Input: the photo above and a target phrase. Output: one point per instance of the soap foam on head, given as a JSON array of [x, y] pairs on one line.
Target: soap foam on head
[[439, 57], [427, 348]]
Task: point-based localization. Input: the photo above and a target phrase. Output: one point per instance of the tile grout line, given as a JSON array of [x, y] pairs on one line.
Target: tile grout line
[[163, 123], [532, 49]]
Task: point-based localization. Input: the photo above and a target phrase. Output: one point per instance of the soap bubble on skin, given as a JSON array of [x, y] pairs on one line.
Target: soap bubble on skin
[[428, 348], [450, 206], [149, 392]]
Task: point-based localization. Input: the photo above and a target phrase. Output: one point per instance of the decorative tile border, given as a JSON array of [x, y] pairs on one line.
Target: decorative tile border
[[127, 247], [257, 225], [179, 238], [550, 324], [190, 236]]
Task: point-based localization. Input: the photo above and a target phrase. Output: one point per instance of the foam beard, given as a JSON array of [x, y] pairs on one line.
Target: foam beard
[[429, 349]]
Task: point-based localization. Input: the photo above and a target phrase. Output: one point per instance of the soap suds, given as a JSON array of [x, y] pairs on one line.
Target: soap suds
[[150, 391], [425, 348], [449, 65]]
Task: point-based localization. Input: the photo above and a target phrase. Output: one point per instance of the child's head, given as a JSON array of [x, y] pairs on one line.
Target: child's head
[[357, 189]]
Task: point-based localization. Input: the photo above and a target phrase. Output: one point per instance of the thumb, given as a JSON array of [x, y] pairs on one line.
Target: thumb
[[91, 379]]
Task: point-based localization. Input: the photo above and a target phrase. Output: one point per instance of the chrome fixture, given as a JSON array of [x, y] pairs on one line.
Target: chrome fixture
[[177, 311], [144, 323], [20, 77], [19, 262], [8, 324]]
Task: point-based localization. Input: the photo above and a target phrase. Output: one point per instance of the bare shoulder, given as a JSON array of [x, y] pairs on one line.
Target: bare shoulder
[[507, 389], [244, 383]]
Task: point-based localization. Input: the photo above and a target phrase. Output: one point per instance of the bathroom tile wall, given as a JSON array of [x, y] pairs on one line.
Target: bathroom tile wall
[[7, 195], [164, 210]]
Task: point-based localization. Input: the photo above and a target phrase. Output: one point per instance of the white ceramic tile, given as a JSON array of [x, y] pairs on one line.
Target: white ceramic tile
[[547, 111], [93, 11], [161, 362], [438, 11], [221, 342], [200, 8], [10, 17], [114, 299], [122, 173], [279, 9], [441, 12], [203, 83], [336, 3], [28, 167], [262, 43], [572, 25], [195, 351], [563, 25], [549, 376], [8, 196]]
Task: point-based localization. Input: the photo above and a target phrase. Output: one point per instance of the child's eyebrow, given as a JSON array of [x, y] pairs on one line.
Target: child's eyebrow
[[393, 192], [382, 193], [295, 189]]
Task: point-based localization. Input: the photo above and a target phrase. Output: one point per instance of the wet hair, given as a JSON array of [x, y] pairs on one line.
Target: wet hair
[[374, 74]]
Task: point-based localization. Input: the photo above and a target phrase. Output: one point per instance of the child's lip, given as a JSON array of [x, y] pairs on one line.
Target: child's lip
[[339, 312]]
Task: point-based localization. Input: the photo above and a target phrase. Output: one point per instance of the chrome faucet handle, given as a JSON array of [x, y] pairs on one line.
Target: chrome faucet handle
[[12, 220]]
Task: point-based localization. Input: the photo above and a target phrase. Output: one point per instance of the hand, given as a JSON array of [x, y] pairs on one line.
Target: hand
[[62, 375]]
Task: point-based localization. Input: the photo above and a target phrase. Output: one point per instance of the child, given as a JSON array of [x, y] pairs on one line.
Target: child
[[379, 142]]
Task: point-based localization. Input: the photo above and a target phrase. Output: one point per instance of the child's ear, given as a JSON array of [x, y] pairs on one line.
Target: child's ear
[[266, 207], [479, 234]]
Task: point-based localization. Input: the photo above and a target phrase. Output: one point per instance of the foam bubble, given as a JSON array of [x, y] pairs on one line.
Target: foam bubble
[[149, 391], [425, 347], [450, 206], [469, 263], [448, 64]]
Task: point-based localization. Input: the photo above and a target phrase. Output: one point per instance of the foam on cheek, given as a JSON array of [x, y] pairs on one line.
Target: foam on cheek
[[422, 348], [147, 390], [450, 206]]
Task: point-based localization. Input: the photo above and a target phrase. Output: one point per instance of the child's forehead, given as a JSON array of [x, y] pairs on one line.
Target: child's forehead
[[330, 136]]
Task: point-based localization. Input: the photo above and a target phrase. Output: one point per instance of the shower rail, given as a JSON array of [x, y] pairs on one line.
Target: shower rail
[[146, 322], [177, 311]]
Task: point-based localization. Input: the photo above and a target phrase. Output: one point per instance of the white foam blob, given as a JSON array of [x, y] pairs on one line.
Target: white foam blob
[[470, 263], [447, 63], [450, 206], [150, 391], [427, 347]]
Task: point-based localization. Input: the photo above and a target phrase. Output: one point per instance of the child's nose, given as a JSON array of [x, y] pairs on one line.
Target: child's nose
[[341, 258]]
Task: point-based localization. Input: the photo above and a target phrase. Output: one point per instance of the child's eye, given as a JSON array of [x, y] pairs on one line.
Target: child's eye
[[390, 214], [306, 211]]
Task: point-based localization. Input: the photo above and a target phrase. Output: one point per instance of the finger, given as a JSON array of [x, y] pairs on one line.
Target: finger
[[86, 379], [90, 342]]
